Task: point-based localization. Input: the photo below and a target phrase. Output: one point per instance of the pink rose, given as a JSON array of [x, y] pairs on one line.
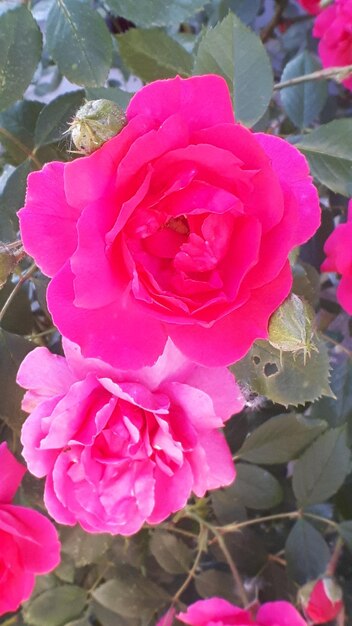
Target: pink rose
[[179, 226], [120, 448], [29, 541], [334, 28], [338, 250], [219, 611], [311, 6]]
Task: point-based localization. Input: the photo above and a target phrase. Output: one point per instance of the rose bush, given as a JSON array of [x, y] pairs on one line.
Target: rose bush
[[120, 448], [29, 541], [169, 230], [338, 252], [334, 29], [219, 611]]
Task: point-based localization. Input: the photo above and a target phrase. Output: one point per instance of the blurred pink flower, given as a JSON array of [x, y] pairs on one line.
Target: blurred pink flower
[[120, 448], [334, 29], [219, 611], [338, 250], [29, 541], [312, 6], [179, 226], [321, 600]]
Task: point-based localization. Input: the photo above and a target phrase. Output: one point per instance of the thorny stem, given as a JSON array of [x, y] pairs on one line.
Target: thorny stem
[[202, 543], [16, 289], [223, 547], [229, 528], [331, 72], [331, 567]]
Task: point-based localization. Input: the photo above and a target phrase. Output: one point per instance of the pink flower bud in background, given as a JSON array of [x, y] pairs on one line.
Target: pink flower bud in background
[[321, 600]]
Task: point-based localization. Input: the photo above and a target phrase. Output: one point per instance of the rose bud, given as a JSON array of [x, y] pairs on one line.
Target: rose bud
[[96, 122], [321, 600], [291, 326]]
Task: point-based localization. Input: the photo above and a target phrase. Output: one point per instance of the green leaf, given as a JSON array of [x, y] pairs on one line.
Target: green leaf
[[17, 126], [245, 11], [131, 596], [84, 548], [13, 349], [79, 42], [280, 439], [20, 51], [322, 469], [155, 12], [307, 553], [171, 553], [12, 199], [214, 583], [289, 378], [237, 53], [53, 120], [303, 103], [328, 149], [120, 97], [152, 54], [227, 507], [56, 606], [337, 411], [345, 530], [256, 488]]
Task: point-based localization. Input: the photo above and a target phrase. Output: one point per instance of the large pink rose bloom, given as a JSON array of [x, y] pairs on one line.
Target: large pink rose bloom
[[338, 250], [334, 28], [120, 448], [219, 612], [28, 540], [179, 226], [312, 6]]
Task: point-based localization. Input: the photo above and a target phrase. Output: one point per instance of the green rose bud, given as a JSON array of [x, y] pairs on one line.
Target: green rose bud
[[96, 122]]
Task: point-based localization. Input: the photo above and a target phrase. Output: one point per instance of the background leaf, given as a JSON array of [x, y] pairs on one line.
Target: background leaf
[[306, 552], [303, 103], [152, 54], [79, 42], [256, 488], [280, 439], [322, 468], [56, 607], [54, 118], [171, 553], [20, 50], [156, 12], [328, 150], [236, 53]]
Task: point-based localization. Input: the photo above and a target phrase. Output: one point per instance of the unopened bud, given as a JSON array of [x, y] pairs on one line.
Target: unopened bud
[[291, 327], [96, 122], [321, 600]]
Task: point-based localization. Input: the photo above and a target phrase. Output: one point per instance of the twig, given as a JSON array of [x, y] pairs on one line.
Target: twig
[[202, 543], [331, 567], [29, 154], [16, 289], [269, 29], [331, 72]]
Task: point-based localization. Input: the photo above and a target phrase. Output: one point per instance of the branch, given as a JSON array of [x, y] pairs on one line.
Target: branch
[[338, 73], [16, 289], [269, 29]]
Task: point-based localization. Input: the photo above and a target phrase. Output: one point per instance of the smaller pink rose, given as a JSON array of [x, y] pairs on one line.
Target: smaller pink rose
[[338, 250], [120, 448], [334, 29], [29, 541], [220, 612]]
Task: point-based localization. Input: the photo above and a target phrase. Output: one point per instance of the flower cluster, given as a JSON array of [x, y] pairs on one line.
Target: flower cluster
[[338, 251], [168, 253], [29, 541]]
